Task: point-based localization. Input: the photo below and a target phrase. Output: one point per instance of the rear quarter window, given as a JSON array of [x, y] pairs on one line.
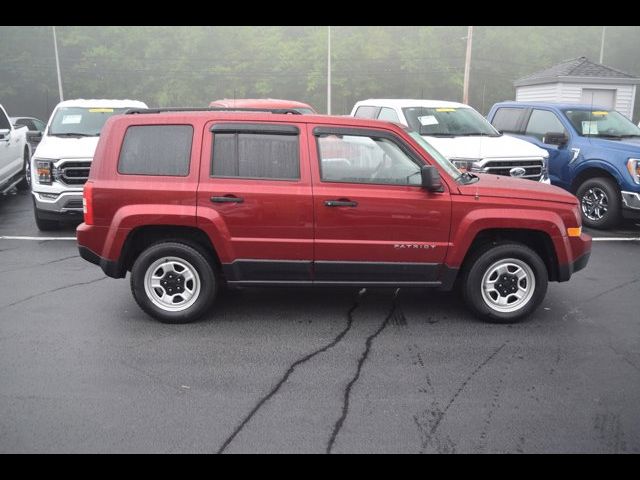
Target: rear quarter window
[[162, 150], [506, 119]]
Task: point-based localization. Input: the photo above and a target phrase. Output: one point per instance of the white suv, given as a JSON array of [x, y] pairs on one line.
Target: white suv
[[61, 163], [462, 135]]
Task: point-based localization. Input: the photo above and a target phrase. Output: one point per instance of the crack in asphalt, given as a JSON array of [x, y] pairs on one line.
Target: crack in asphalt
[[622, 285], [51, 291], [39, 264], [442, 414], [363, 358], [290, 371]]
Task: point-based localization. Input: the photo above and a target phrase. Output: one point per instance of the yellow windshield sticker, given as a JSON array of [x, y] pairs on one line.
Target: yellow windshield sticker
[[599, 113], [101, 110], [445, 109]]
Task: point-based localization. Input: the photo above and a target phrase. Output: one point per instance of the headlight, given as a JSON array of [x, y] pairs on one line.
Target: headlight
[[633, 165], [545, 168], [44, 170], [465, 165]]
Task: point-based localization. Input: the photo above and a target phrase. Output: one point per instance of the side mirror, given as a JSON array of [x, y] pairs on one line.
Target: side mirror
[[34, 136], [431, 180], [4, 133], [555, 138]]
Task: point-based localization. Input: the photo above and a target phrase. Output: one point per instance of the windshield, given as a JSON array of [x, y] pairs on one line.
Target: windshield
[[86, 122], [602, 123], [448, 122], [436, 155]]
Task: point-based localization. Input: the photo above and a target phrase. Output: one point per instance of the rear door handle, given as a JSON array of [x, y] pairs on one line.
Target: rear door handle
[[227, 199], [340, 203]]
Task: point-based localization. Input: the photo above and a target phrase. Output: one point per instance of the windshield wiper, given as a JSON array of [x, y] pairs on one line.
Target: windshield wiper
[[448, 135], [74, 134], [476, 134]]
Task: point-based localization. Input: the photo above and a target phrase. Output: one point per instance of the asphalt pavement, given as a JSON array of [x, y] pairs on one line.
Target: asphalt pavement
[[311, 371]]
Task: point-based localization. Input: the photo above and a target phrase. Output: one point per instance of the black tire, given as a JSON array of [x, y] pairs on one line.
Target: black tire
[[483, 261], [613, 199], [25, 184], [43, 224], [207, 276]]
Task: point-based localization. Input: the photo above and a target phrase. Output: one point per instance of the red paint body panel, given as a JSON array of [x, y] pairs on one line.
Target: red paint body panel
[[287, 220]]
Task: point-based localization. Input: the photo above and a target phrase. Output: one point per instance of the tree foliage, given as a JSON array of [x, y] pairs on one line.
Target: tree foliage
[[190, 66]]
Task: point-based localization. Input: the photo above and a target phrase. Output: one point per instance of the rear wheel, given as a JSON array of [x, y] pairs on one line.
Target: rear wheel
[[25, 184], [173, 282], [600, 203], [504, 282]]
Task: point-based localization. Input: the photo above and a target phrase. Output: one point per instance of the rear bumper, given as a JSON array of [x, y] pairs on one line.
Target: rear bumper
[[110, 268]]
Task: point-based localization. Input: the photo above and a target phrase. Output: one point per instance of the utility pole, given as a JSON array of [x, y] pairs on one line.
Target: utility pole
[[604, 31], [55, 45], [329, 70], [467, 65]]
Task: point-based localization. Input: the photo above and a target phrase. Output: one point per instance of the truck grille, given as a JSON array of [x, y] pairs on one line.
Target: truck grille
[[502, 166], [73, 172]]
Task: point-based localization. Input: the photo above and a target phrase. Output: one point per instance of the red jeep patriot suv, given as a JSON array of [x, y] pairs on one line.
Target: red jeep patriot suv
[[190, 200]]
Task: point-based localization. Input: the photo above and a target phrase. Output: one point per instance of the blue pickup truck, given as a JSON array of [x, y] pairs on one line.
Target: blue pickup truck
[[593, 152]]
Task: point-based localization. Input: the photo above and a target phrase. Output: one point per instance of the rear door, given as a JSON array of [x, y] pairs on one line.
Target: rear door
[[374, 223], [254, 196]]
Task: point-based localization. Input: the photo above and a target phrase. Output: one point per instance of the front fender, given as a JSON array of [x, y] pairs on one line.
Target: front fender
[[471, 224]]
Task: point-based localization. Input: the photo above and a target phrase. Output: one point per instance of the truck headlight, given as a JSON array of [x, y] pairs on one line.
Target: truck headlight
[[545, 168], [44, 171], [466, 165], [633, 165]]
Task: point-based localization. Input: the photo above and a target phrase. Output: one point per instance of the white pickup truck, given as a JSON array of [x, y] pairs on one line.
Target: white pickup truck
[[15, 154]]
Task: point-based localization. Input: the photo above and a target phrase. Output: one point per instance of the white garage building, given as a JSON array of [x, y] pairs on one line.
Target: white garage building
[[580, 81]]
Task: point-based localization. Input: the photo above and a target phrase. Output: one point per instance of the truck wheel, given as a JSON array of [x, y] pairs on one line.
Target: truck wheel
[[173, 282], [504, 282], [600, 203], [44, 225], [25, 184]]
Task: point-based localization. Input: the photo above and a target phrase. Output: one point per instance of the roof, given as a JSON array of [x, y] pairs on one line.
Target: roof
[[100, 103], [579, 69], [560, 106], [407, 102], [258, 103]]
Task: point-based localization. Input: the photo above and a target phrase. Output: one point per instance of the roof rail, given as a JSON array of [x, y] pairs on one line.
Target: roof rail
[[135, 111]]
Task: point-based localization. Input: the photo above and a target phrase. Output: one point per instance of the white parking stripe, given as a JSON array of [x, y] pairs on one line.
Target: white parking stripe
[[7, 237], [616, 239]]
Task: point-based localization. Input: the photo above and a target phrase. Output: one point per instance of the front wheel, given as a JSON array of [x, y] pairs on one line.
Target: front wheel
[[504, 282], [173, 282], [25, 184], [600, 203]]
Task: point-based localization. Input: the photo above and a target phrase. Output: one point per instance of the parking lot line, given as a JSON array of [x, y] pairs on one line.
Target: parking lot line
[[616, 239], [8, 237]]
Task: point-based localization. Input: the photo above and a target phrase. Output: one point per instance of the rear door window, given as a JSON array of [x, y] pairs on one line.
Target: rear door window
[[507, 119], [254, 154], [163, 150]]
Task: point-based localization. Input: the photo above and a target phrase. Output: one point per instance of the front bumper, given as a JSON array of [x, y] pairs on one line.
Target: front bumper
[[581, 252], [631, 205], [64, 203]]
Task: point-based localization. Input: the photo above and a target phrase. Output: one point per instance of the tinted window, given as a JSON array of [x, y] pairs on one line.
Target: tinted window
[[388, 114], [506, 119], [542, 122], [39, 125], [27, 123], [363, 159], [256, 155], [366, 112], [156, 150], [4, 121]]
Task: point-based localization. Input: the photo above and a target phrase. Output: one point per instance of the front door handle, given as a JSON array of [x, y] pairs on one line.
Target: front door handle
[[227, 199], [340, 203]]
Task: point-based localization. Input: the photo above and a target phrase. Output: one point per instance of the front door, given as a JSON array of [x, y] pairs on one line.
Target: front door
[[374, 223], [255, 197]]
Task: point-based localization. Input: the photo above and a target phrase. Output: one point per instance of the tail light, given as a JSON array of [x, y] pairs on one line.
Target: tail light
[[87, 203]]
